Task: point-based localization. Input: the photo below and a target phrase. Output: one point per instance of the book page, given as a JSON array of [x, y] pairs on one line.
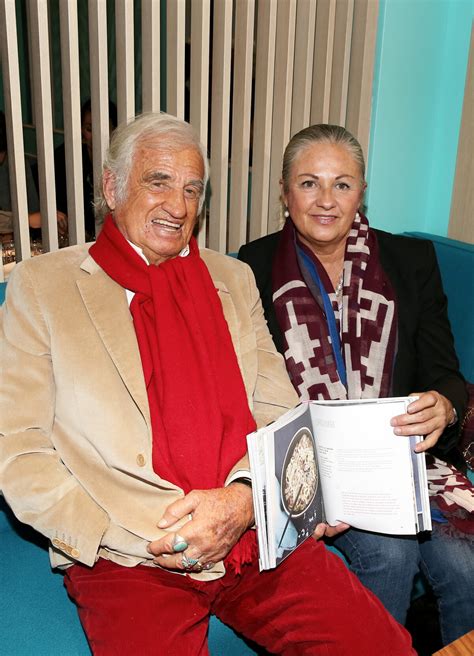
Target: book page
[[366, 472], [257, 460], [279, 529], [294, 498]]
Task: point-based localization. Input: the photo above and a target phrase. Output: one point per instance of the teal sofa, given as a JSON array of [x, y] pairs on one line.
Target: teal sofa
[[36, 616], [456, 263]]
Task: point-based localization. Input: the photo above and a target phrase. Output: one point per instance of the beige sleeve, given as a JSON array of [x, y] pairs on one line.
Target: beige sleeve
[[39, 488]]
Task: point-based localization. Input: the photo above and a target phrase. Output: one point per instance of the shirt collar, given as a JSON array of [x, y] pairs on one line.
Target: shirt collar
[[183, 253]]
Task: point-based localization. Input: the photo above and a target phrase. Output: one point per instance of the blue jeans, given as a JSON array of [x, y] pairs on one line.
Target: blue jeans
[[387, 564]]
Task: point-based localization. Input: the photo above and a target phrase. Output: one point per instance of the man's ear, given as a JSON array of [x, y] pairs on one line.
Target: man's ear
[[108, 187]]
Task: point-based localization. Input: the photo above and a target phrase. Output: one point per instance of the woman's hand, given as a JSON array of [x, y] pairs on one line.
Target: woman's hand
[[324, 530], [428, 416], [219, 518]]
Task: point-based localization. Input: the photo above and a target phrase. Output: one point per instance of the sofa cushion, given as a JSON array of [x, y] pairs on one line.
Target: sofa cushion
[[456, 263], [36, 615]]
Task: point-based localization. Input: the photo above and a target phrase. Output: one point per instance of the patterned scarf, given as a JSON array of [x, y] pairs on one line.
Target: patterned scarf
[[452, 494], [198, 405], [366, 319], [367, 323]]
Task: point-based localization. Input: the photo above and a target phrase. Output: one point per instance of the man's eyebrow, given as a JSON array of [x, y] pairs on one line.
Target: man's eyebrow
[[151, 176], [196, 183], [156, 175]]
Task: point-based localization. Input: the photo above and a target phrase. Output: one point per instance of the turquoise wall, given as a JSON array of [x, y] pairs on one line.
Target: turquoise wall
[[420, 71]]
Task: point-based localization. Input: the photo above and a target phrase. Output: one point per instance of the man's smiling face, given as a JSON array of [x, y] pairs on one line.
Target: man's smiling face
[[162, 199]]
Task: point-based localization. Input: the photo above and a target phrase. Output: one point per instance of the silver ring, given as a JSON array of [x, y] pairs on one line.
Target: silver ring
[[188, 563], [208, 566], [179, 543], [191, 564]]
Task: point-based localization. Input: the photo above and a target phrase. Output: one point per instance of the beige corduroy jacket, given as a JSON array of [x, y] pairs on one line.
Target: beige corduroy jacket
[[75, 433]]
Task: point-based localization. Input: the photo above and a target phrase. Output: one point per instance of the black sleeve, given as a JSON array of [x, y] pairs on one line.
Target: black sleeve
[[259, 256], [437, 363]]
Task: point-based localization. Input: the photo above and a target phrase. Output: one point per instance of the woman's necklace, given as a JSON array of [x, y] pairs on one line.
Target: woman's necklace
[[338, 293], [338, 289]]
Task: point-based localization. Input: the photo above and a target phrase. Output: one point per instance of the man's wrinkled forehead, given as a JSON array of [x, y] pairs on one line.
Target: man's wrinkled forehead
[[168, 149]]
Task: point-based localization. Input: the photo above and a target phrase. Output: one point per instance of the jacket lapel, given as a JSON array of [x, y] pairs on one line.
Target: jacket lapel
[[107, 306], [230, 315]]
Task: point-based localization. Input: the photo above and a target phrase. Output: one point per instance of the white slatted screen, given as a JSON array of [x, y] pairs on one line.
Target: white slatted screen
[[13, 115], [99, 77], [72, 119], [247, 74], [199, 81]]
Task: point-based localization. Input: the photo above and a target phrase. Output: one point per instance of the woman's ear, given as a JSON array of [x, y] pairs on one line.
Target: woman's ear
[[108, 187], [362, 196], [282, 193]]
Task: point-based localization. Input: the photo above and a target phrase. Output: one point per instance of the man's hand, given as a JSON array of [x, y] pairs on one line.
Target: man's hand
[[62, 222], [219, 517], [427, 416], [324, 530]]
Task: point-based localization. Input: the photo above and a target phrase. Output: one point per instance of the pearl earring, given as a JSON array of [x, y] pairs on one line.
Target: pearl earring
[[286, 214]]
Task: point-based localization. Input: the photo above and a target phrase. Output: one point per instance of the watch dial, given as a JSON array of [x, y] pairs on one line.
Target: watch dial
[[300, 473]]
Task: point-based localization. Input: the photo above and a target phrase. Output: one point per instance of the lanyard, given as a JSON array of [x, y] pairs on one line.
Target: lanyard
[[330, 318]]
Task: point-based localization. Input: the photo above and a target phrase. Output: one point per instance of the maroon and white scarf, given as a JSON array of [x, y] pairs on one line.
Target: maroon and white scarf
[[366, 319], [367, 323], [453, 494]]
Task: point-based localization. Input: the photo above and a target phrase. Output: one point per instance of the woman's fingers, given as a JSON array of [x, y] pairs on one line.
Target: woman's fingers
[[428, 416]]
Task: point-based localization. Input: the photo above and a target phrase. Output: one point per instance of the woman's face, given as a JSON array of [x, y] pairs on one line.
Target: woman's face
[[324, 192]]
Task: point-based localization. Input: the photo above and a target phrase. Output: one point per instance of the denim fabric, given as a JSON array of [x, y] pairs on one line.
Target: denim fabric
[[387, 565]]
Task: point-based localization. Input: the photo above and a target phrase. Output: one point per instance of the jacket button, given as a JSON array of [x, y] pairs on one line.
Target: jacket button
[[141, 460], [56, 542], [75, 553]]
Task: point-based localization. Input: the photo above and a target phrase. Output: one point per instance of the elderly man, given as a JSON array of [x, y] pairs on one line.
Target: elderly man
[[132, 372]]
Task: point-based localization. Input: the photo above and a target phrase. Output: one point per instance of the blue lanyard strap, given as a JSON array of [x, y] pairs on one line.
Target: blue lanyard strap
[[330, 318]]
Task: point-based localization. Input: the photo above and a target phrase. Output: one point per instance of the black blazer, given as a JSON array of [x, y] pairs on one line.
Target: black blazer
[[425, 357]]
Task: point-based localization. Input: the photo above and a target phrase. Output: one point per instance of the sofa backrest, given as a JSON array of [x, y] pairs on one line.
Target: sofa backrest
[[456, 263]]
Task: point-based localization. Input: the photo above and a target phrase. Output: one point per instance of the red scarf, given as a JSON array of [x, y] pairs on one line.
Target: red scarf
[[198, 405]]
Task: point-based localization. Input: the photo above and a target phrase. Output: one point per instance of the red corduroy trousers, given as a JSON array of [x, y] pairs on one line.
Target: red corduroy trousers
[[310, 604]]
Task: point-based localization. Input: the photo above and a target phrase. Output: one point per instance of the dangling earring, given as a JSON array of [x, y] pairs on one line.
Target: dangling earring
[[286, 214]]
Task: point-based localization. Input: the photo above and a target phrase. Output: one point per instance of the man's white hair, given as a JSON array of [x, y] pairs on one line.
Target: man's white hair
[[173, 132]]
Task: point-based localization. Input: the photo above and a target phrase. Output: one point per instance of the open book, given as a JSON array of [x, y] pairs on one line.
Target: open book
[[335, 461]]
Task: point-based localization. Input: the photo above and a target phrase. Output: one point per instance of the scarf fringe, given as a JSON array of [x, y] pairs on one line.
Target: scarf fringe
[[243, 553]]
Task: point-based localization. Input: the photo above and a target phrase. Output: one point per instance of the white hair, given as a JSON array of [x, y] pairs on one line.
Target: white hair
[[173, 132]]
